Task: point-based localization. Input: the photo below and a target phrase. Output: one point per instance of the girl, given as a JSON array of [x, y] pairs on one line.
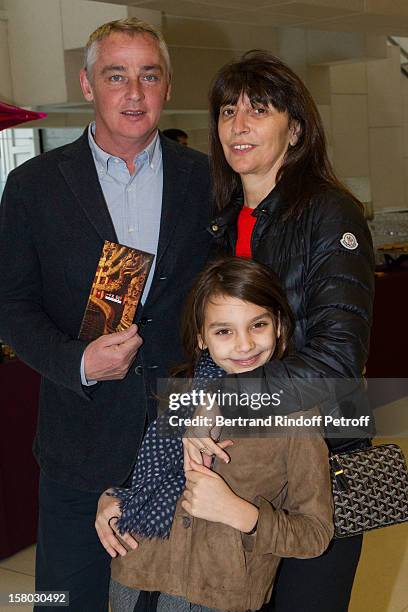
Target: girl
[[234, 522]]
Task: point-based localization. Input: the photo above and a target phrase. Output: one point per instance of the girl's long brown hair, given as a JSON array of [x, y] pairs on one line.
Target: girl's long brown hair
[[240, 278], [266, 80]]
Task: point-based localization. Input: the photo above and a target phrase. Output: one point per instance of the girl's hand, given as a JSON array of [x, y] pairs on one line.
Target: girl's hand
[[207, 496]]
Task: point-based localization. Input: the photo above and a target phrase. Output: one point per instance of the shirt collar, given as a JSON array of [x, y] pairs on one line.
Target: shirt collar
[[152, 152]]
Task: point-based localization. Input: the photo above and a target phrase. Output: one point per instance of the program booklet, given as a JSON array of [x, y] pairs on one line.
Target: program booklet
[[119, 281]]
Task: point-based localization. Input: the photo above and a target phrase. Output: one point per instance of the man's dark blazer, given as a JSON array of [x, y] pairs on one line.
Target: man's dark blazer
[[53, 222]]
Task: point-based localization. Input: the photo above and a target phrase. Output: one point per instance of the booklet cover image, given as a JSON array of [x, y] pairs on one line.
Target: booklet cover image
[[118, 284]]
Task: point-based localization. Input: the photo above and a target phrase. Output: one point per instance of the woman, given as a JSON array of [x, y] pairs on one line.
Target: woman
[[281, 204]]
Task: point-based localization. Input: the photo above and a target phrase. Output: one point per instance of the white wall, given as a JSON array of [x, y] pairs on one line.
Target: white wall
[[41, 32], [370, 129], [36, 51], [6, 88], [80, 18]]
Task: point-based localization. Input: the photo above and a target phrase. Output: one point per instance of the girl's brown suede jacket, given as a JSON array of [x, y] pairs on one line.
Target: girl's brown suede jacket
[[215, 565]]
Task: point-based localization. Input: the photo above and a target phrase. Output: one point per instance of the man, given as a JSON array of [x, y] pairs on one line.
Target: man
[[123, 182], [178, 135]]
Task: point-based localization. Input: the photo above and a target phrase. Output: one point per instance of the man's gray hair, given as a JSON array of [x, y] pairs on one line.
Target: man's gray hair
[[131, 26]]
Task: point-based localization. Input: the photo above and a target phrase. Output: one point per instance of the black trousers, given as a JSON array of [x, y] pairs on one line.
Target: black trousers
[[322, 584], [70, 556]]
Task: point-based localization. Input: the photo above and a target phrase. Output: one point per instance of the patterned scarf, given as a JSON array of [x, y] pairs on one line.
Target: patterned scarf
[[148, 506]]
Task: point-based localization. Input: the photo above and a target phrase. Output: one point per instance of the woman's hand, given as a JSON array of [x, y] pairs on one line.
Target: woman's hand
[[199, 442], [107, 514], [207, 496], [201, 450]]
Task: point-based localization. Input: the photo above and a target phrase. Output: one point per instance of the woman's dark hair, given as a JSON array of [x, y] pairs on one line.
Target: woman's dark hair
[[240, 278], [266, 80]]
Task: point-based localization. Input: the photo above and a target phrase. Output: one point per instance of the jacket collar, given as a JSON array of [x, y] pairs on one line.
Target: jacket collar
[[177, 168], [228, 217], [270, 205], [78, 168]]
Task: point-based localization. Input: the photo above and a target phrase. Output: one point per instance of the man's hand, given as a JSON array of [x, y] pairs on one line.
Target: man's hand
[[108, 508], [109, 357], [207, 496]]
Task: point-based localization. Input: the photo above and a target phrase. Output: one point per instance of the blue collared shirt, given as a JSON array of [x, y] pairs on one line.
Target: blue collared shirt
[[134, 201]]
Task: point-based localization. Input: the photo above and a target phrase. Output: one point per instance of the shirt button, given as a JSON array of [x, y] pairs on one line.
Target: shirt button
[[215, 227], [139, 370], [186, 522]]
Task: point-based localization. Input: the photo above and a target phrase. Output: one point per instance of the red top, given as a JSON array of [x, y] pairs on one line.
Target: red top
[[246, 224]]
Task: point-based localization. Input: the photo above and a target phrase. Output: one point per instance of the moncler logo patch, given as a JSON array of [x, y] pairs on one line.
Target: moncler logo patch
[[349, 241]]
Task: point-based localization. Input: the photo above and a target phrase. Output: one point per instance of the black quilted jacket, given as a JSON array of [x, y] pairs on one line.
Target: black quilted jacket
[[325, 263]]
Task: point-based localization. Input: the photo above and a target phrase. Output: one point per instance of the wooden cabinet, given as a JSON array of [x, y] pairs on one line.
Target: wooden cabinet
[[19, 389]]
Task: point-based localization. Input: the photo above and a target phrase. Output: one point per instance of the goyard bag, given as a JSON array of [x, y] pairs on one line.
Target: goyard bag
[[370, 489]]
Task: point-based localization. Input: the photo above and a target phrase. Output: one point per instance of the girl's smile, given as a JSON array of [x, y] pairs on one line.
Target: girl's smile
[[239, 335]]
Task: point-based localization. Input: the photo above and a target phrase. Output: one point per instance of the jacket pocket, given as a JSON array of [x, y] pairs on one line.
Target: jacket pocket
[[218, 557], [261, 572]]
